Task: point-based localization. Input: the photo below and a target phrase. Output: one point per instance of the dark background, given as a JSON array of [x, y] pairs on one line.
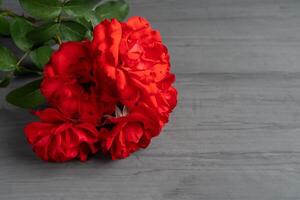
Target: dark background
[[235, 134]]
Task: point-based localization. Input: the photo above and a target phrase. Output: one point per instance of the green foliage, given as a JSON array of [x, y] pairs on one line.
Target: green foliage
[[43, 34], [46, 24], [112, 9], [8, 60], [20, 70], [86, 23], [80, 8], [41, 56], [27, 96], [42, 9], [5, 81], [72, 31], [19, 29], [4, 26]]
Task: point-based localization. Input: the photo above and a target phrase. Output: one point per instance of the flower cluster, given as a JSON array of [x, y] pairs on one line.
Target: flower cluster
[[112, 94]]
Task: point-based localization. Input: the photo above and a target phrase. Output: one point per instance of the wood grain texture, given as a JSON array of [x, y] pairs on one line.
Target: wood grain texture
[[235, 134], [227, 35], [232, 136], [224, 35]]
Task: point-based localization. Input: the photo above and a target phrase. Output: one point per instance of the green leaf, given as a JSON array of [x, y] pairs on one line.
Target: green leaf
[[83, 21], [112, 9], [88, 25], [5, 81], [72, 31], [41, 56], [27, 96], [42, 9], [8, 61], [18, 29], [4, 26], [80, 8], [20, 70], [43, 33]]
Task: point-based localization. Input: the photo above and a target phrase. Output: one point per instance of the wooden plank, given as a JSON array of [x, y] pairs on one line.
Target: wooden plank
[[232, 136], [224, 35], [227, 35]]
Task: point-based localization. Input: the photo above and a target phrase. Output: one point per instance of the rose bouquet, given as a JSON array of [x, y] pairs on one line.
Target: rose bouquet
[[111, 92]]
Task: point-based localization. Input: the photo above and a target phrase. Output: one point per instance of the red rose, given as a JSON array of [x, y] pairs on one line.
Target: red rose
[[68, 82], [85, 83], [134, 64], [128, 132], [61, 138], [164, 101]]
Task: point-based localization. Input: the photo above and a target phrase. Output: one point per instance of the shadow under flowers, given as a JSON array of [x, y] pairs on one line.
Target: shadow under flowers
[[13, 144]]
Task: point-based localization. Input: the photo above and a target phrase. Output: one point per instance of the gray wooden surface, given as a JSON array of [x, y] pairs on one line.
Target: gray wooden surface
[[235, 134]]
